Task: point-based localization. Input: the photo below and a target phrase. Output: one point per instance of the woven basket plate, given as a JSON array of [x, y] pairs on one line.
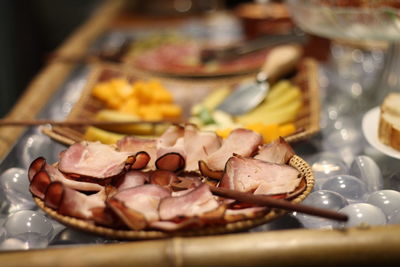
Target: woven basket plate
[[186, 92], [86, 226]]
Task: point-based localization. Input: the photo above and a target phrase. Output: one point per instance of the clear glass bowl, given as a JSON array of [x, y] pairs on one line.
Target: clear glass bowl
[[357, 21], [329, 19]]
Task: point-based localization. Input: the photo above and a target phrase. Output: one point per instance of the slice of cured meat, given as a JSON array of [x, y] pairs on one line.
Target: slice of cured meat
[[195, 203], [39, 183], [70, 202], [56, 175], [278, 151], [170, 162], [249, 174], [183, 58], [232, 215], [163, 178], [214, 216], [141, 158], [277, 187], [138, 206], [205, 171], [171, 141], [36, 166], [132, 218], [135, 144], [186, 182], [240, 142], [48, 173], [94, 160], [168, 57], [132, 179], [198, 145]]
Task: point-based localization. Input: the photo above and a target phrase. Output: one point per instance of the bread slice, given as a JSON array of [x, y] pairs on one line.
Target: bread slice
[[391, 104], [389, 122]]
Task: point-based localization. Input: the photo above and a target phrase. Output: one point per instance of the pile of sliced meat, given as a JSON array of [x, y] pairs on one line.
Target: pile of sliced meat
[[173, 59], [164, 183]]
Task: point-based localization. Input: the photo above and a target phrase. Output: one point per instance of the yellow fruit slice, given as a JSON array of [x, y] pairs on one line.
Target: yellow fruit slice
[[139, 129], [105, 137]]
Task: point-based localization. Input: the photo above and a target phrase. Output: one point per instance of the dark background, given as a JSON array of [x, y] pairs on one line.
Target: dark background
[[29, 31]]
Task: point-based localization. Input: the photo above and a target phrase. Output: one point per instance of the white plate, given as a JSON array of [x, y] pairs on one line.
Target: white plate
[[370, 125]]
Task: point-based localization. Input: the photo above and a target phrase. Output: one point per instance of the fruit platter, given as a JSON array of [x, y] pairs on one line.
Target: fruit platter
[[290, 110]]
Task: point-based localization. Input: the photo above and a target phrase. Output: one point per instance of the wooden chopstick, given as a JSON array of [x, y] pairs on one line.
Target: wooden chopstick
[[77, 122], [277, 203], [108, 55]]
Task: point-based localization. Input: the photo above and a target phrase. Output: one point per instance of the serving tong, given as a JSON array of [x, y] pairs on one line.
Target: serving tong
[[246, 96]]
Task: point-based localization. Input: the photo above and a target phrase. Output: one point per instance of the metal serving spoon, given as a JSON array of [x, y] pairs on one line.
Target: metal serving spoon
[[279, 61]]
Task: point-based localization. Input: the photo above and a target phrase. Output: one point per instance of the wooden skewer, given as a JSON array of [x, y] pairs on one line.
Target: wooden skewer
[[278, 203], [77, 122], [113, 55]]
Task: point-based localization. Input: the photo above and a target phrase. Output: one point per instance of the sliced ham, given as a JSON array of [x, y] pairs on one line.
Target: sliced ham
[[232, 215], [48, 173], [171, 161], [173, 59], [163, 178], [36, 166], [131, 218], [241, 142], [132, 179], [180, 193], [195, 203], [39, 183], [56, 175], [278, 151], [138, 206], [80, 205], [186, 182], [172, 195], [168, 57], [205, 171], [249, 174], [135, 144], [277, 187], [70, 202], [142, 158], [54, 195], [198, 145], [171, 141], [210, 217], [94, 160]]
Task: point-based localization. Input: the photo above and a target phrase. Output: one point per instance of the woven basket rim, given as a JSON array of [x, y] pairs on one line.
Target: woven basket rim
[[296, 162]]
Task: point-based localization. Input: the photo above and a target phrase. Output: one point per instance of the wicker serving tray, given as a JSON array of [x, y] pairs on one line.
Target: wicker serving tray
[[186, 93], [237, 226]]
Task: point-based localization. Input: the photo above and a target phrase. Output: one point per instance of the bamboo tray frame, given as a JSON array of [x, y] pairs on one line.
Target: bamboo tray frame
[[87, 106], [378, 245], [237, 226]]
